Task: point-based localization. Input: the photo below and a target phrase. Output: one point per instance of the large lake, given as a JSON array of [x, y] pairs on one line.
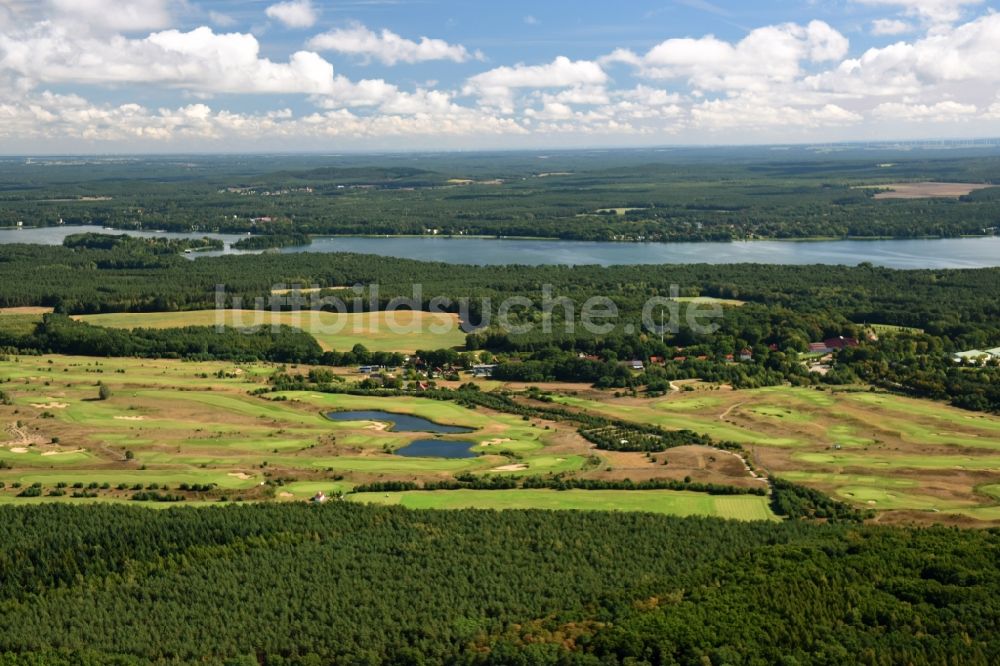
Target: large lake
[[936, 253]]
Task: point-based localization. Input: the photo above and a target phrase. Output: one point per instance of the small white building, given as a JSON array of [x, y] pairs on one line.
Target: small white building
[[977, 355]]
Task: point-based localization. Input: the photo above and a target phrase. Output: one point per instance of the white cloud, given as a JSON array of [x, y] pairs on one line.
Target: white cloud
[[113, 15], [780, 80], [54, 116], [941, 112], [388, 47], [890, 27], [560, 73], [963, 56], [931, 11], [293, 13], [221, 20], [197, 60], [495, 87], [751, 112], [766, 56]]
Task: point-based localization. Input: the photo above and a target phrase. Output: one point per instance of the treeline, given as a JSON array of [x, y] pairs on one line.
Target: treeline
[[349, 584], [918, 365], [61, 335], [493, 482], [629, 438], [127, 243], [270, 241], [795, 501]]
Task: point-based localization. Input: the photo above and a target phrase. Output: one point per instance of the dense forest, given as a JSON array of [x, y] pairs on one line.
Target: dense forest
[[639, 195], [352, 584]]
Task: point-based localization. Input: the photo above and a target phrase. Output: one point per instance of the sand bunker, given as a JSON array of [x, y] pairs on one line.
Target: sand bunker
[[50, 405], [130, 418], [19, 449], [285, 495], [494, 442], [518, 467], [61, 453], [377, 425], [242, 476]]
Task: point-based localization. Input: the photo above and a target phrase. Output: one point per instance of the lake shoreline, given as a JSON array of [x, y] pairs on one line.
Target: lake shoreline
[[767, 239], [911, 253]]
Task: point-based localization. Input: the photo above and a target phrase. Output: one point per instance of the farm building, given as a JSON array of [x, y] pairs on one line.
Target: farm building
[[483, 370]]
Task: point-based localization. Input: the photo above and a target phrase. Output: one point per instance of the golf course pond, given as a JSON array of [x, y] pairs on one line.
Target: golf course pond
[[399, 422], [437, 448], [421, 448]]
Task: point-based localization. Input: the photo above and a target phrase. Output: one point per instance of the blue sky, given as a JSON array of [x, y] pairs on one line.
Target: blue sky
[[178, 75]]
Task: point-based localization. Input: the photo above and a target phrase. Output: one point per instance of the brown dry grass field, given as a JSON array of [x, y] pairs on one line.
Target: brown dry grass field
[[928, 190], [25, 311]]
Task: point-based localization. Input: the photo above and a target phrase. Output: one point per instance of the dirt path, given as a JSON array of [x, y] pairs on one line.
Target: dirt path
[[22, 437], [723, 415]]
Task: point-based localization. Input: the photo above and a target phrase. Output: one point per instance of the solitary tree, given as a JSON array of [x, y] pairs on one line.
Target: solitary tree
[[103, 392]]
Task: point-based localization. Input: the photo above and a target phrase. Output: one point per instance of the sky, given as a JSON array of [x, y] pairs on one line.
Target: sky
[[134, 76]]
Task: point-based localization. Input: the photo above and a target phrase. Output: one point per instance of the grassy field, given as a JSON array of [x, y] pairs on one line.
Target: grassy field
[[710, 300], [403, 331], [675, 503], [20, 321]]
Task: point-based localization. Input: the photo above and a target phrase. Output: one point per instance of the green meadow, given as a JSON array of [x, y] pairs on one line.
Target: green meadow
[[675, 503], [401, 331]]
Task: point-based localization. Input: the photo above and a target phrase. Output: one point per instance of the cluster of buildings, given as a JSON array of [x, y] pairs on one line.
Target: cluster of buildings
[[745, 355], [388, 375], [251, 191], [831, 345]]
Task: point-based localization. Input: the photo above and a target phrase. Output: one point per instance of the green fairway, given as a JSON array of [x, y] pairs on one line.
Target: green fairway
[[878, 498], [848, 479], [671, 502], [859, 461], [666, 415], [114, 477], [401, 331]]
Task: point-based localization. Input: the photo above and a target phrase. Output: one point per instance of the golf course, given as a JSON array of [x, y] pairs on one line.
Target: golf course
[[208, 425]]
